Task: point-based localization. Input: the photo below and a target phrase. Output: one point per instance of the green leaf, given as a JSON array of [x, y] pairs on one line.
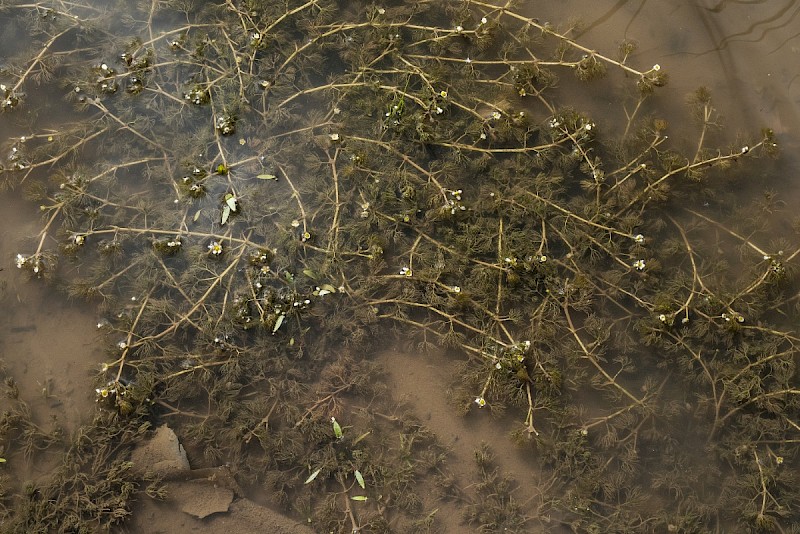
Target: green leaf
[[337, 430], [311, 274], [278, 323], [226, 212], [222, 169], [231, 201], [197, 215], [2, 460], [327, 287], [312, 476], [359, 498], [360, 479], [267, 177]]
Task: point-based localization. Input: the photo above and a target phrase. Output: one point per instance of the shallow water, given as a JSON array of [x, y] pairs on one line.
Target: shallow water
[[746, 53]]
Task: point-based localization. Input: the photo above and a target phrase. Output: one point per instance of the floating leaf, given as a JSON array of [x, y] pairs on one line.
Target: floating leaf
[[278, 323], [197, 215], [267, 177], [312, 476], [231, 201], [337, 430], [2, 460], [362, 436], [327, 287], [226, 212], [359, 498], [311, 274], [360, 479]]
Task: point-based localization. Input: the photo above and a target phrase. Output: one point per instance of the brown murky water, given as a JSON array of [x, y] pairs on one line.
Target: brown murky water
[[746, 52]]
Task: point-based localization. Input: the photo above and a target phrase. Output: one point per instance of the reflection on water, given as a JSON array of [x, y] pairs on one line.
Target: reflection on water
[[747, 53], [214, 264]]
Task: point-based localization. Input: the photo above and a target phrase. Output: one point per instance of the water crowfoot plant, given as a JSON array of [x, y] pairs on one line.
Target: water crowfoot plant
[[281, 188]]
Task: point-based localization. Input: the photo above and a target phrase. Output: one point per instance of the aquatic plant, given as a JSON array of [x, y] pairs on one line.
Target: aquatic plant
[[255, 193]]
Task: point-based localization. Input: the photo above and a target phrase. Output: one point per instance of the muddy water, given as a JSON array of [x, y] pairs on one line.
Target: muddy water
[[746, 52]]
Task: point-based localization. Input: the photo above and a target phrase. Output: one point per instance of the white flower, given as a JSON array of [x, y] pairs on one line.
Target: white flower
[[656, 67], [480, 401], [405, 271], [334, 137], [496, 115], [215, 248], [638, 238], [21, 261], [381, 11], [122, 345], [322, 292], [455, 289], [468, 60], [542, 258], [498, 366], [745, 149], [638, 265], [662, 318], [459, 28], [484, 20]]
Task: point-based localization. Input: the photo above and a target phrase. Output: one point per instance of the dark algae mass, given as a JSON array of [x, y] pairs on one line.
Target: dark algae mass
[[303, 224]]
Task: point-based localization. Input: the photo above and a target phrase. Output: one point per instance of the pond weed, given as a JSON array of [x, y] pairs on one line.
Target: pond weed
[[257, 194]]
